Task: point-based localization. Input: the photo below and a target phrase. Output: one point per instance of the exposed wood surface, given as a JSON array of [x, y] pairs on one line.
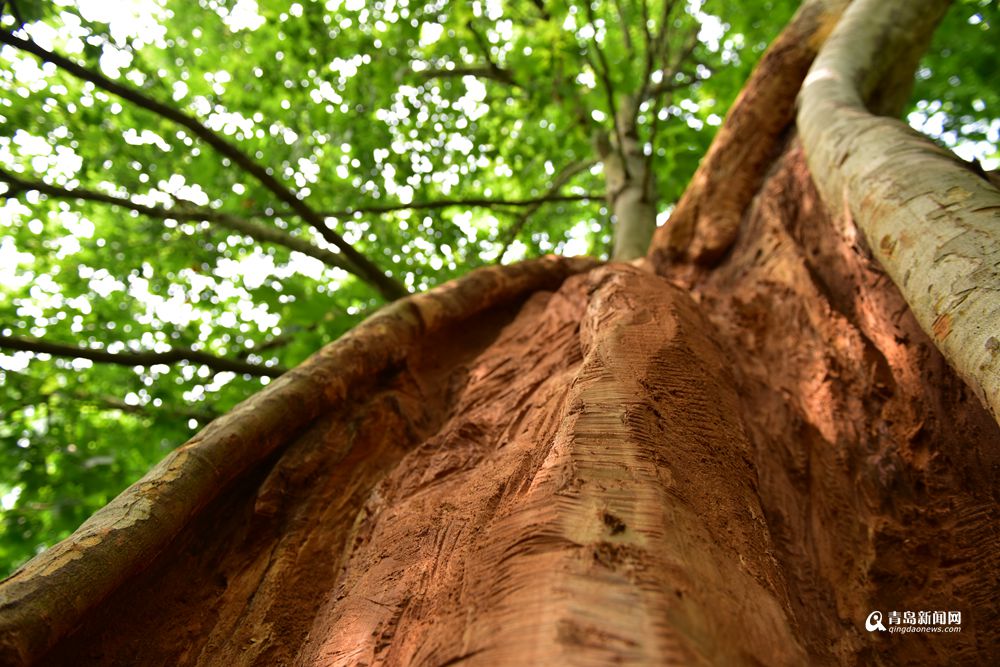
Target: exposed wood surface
[[706, 220], [591, 501], [877, 464]]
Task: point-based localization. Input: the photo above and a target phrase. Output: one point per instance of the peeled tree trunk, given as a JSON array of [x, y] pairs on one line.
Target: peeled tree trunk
[[932, 223], [732, 462]]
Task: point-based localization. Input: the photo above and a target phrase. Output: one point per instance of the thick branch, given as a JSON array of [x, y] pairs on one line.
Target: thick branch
[[363, 267], [707, 218], [253, 230], [172, 356], [929, 220]]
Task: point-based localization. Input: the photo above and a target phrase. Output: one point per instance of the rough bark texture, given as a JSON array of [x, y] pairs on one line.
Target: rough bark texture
[[705, 221], [591, 501], [876, 462], [623, 473]]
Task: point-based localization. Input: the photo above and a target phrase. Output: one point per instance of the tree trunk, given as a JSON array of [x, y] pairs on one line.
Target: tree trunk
[[929, 221], [630, 187], [556, 463]]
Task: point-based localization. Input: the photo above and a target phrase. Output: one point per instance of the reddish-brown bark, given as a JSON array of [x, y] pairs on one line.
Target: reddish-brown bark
[[707, 218], [876, 463], [590, 501]]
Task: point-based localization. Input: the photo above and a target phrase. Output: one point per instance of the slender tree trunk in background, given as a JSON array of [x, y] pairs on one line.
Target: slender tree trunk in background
[[553, 463], [631, 189]]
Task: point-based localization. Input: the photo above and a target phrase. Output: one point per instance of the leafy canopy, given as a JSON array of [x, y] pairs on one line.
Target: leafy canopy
[[432, 137]]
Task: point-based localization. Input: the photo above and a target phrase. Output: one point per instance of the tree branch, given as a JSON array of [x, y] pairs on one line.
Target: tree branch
[[663, 33], [174, 355], [490, 71], [708, 216], [604, 71], [912, 201], [279, 341], [561, 179], [576, 107], [112, 402], [670, 72], [647, 36], [667, 85], [540, 6], [476, 202], [656, 48], [625, 25], [363, 267], [115, 403], [267, 234], [254, 230], [484, 47], [14, 11]]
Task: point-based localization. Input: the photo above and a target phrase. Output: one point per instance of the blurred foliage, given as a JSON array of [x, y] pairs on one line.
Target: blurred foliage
[[352, 104], [956, 96]]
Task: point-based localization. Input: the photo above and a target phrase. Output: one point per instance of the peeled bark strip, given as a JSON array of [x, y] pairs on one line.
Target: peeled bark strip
[[47, 597], [706, 220], [930, 222]]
